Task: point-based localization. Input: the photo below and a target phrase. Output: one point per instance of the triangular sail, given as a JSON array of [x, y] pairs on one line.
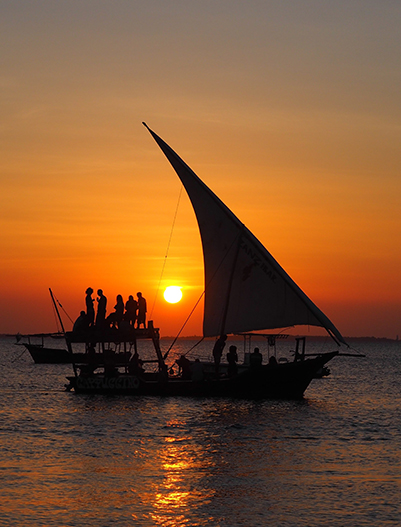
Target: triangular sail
[[245, 288]]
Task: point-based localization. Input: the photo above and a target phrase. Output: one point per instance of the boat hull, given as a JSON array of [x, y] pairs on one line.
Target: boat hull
[[44, 355], [281, 381]]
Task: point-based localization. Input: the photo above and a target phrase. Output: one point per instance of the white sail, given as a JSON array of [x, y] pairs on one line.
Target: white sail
[[245, 288]]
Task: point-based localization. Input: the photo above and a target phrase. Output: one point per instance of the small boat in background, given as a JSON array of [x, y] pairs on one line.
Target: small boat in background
[[35, 344], [41, 353]]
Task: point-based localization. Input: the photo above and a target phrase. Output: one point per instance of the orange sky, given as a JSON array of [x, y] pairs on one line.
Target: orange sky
[[289, 111]]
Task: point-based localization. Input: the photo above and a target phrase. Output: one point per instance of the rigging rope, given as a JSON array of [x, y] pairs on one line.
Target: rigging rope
[[167, 250], [19, 356], [183, 326], [57, 300], [194, 346]]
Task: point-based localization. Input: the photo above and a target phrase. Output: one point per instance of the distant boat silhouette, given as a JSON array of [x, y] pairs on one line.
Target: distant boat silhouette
[[41, 353], [246, 290]]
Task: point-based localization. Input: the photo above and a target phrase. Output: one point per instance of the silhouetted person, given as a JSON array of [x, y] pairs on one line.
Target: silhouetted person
[[272, 361], [131, 307], [218, 351], [135, 365], [81, 323], [185, 367], [232, 359], [116, 318], [101, 309], [141, 319], [90, 310], [256, 358]]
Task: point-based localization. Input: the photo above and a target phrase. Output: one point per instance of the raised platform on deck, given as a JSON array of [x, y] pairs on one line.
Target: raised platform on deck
[[96, 335]]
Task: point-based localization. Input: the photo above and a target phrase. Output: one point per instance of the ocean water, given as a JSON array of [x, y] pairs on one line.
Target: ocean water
[[332, 459]]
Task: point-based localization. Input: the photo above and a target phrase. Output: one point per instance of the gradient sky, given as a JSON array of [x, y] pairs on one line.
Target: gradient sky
[[288, 110]]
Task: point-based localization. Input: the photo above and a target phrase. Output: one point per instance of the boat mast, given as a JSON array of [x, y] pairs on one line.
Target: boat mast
[[62, 327], [57, 311]]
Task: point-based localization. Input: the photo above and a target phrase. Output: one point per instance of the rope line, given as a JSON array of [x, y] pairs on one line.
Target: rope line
[[167, 250], [194, 346], [183, 326], [54, 312], [70, 319], [19, 356]]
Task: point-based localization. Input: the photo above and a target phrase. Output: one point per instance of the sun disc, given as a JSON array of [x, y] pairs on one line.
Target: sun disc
[[173, 294]]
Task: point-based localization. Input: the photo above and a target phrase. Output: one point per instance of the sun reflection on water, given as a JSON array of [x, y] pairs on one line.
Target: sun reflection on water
[[180, 493]]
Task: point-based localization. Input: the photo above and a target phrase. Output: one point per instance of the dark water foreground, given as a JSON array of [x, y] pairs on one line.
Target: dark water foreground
[[330, 460]]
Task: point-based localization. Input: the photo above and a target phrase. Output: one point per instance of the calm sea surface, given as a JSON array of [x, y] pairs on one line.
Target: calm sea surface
[[333, 459]]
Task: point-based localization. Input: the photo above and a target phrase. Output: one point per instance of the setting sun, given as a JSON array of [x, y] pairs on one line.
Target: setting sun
[[173, 294]]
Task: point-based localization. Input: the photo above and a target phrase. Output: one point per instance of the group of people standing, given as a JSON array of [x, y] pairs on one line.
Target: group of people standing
[[133, 312]]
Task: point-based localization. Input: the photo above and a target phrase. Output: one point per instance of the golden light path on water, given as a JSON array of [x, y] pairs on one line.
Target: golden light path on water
[[171, 500], [183, 464]]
